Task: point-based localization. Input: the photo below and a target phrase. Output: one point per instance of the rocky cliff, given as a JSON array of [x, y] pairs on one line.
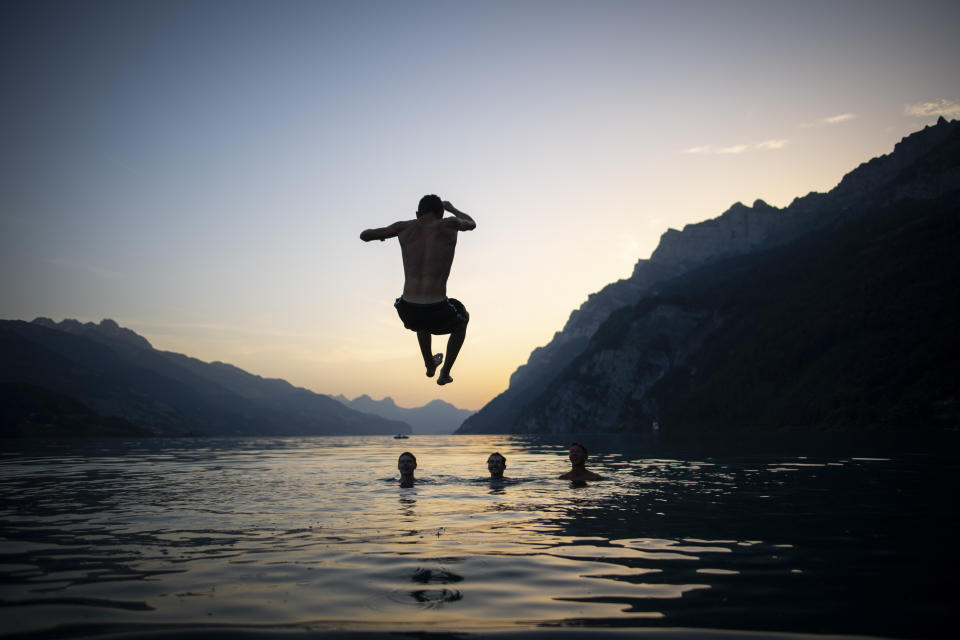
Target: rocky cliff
[[608, 383], [848, 329], [922, 166]]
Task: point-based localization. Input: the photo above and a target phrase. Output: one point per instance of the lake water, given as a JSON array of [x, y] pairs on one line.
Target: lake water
[[314, 535]]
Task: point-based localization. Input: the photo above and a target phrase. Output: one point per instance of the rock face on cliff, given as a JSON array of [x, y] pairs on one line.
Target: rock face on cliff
[[848, 329], [923, 166], [610, 379]]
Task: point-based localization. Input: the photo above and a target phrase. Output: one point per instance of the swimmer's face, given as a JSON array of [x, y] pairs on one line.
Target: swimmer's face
[[406, 464], [577, 455], [496, 465]]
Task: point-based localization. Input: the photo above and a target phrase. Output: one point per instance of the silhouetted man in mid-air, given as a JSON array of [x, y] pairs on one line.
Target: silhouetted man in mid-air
[[428, 244]]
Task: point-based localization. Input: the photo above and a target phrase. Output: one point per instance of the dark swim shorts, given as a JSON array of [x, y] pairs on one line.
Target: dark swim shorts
[[438, 318]]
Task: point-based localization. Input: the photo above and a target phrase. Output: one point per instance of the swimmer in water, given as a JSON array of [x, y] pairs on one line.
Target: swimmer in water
[[578, 461], [406, 463], [496, 464]]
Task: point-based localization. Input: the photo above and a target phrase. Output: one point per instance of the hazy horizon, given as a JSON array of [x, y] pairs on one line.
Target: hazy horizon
[[200, 172]]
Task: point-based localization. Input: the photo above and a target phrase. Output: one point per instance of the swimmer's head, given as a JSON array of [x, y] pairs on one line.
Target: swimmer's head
[[406, 463], [496, 463], [430, 204], [578, 453]]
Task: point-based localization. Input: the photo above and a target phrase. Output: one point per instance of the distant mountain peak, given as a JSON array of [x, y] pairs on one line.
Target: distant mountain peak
[[435, 417], [107, 331]]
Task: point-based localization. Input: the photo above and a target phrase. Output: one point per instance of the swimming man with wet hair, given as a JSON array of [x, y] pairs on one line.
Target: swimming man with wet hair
[[427, 245], [406, 463], [578, 461], [496, 465]]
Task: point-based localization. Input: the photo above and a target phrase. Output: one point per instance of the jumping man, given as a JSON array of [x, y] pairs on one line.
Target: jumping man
[[427, 245]]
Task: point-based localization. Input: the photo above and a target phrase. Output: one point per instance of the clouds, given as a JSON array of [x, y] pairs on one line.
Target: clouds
[[945, 108], [739, 148], [766, 145], [830, 121], [779, 143], [843, 117]]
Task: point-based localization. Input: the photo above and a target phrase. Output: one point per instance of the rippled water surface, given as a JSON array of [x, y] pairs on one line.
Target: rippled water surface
[[315, 533]]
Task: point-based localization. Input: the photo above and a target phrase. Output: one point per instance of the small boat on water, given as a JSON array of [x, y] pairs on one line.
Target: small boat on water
[[400, 436]]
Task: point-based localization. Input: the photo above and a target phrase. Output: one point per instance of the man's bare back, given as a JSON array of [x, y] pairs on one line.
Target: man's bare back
[[428, 244]]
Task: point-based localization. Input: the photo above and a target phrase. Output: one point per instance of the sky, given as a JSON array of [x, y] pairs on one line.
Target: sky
[[200, 171]]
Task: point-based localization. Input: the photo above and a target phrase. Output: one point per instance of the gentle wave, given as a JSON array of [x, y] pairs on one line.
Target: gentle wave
[[270, 536]]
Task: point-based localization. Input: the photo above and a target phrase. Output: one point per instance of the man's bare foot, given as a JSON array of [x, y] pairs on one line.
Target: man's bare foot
[[437, 359], [444, 379]]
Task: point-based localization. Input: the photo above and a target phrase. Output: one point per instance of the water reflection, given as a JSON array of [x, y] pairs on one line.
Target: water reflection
[[497, 487], [408, 500], [432, 598], [250, 532], [741, 537]]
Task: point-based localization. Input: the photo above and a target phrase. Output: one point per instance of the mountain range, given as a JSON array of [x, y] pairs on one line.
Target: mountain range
[[435, 417], [838, 311], [71, 378], [835, 312]]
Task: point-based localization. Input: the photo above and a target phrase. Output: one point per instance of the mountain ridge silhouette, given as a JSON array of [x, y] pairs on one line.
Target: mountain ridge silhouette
[[116, 374], [923, 167]]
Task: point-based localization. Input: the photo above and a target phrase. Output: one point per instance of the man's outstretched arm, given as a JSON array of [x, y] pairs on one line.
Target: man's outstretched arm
[[382, 233], [464, 222]]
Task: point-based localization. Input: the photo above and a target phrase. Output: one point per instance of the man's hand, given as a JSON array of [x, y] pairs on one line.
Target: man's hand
[[464, 222]]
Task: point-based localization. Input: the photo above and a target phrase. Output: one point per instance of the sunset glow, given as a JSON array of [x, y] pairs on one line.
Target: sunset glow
[[200, 172]]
